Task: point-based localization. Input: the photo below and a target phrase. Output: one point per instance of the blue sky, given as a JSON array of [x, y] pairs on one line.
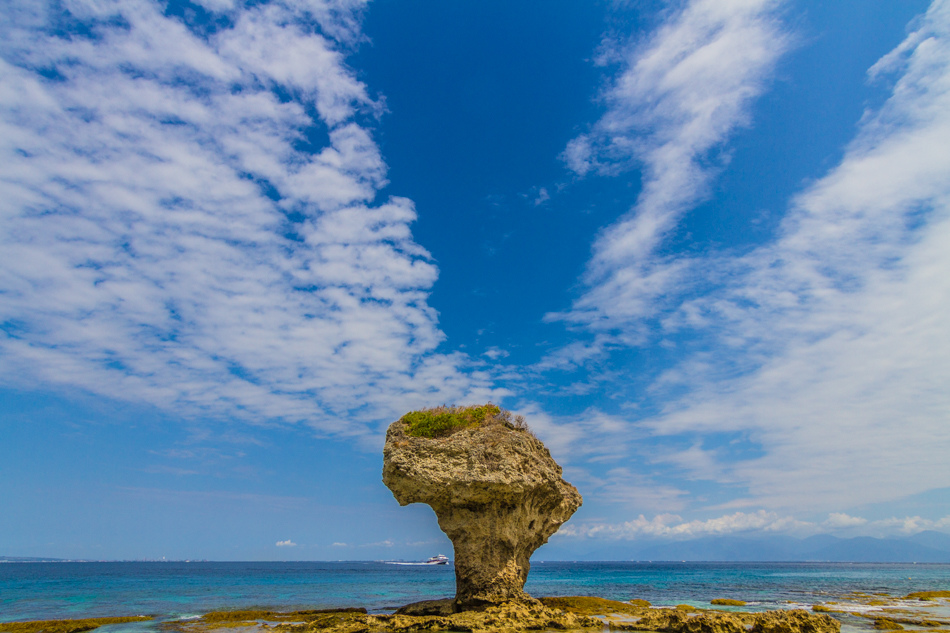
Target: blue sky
[[701, 245]]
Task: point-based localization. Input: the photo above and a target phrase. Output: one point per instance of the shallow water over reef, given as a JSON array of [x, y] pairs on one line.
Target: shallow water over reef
[[35, 591]]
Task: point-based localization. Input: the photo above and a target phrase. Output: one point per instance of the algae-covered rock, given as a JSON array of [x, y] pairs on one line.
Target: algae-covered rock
[[677, 621], [341, 620], [511, 617], [428, 607], [519, 616], [794, 621], [885, 624], [66, 626], [927, 595], [727, 602], [495, 489], [588, 605]]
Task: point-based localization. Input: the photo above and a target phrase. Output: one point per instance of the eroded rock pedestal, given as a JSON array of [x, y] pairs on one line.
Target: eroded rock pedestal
[[498, 495]]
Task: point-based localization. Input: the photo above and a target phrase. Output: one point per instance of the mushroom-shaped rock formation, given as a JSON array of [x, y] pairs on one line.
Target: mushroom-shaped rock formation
[[497, 492]]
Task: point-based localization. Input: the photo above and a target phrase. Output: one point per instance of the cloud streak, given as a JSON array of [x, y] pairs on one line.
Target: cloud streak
[[672, 526], [681, 94], [837, 329], [190, 219], [820, 380]]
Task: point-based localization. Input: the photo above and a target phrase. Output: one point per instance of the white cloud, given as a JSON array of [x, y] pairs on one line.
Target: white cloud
[[681, 94], [833, 339], [287, 543], [825, 350], [591, 435], [542, 197], [167, 240], [911, 525], [839, 520], [673, 526]]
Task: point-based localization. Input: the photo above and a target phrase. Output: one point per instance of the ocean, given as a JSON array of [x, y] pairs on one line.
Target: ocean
[[174, 590]]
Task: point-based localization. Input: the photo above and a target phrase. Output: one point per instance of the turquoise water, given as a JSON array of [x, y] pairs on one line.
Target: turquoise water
[[33, 591]]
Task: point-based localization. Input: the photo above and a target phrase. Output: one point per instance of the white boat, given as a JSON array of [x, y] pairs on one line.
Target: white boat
[[439, 559]]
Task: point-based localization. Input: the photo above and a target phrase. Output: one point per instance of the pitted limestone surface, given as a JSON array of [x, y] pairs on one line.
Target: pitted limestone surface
[[497, 493]]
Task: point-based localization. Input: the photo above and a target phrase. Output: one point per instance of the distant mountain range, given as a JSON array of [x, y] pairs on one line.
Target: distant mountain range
[[924, 547]]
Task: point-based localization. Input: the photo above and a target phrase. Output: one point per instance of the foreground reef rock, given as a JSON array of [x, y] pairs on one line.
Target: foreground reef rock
[[66, 626], [573, 614], [497, 492]]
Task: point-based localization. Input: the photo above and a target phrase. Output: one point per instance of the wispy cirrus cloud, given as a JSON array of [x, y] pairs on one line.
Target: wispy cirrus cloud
[[835, 333], [681, 94], [189, 217], [672, 526], [820, 380]]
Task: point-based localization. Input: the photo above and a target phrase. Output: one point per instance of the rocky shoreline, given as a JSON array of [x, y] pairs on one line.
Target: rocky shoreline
[[921, 611], [546, 614]]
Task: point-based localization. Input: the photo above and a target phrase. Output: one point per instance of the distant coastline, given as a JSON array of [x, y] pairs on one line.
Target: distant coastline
[[45, 559], [924, 547]]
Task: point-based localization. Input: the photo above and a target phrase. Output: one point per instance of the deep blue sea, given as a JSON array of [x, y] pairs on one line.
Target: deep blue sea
[[32, 591]]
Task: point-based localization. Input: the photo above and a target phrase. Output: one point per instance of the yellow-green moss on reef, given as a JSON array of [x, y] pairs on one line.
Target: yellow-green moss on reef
[[927, 595], [711, 621], [323, 618], [512, 617], [443, 421], [65, 626], [884, 624], [727, 602], [547, 614], [273, 616], [586, 605]]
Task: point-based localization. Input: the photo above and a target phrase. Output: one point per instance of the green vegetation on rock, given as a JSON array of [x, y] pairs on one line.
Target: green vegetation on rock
[[443, 421], [668, 620], [65, 626], [587, 605], [727, 602], [925, 595], [240, 618], [511, 617], [884, 624], [248, 615]]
